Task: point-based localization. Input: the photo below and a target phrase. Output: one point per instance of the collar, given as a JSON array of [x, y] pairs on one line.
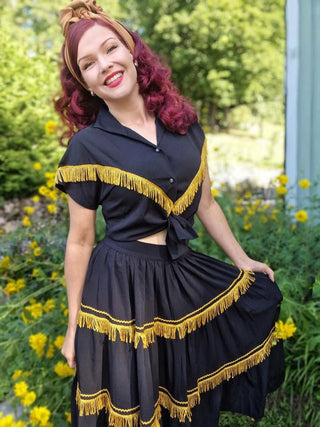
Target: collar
[[108, 123]]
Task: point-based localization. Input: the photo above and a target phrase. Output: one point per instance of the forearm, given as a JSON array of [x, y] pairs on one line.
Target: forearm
[[216, 224], [76, 265]]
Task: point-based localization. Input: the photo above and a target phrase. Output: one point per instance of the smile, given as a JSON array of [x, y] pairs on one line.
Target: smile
[[114, 77]]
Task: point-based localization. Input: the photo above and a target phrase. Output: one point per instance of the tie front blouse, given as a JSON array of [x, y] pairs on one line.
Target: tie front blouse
[[143, 188]]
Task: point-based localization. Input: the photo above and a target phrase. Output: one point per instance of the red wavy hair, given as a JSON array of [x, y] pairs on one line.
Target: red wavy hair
[[78, 109]]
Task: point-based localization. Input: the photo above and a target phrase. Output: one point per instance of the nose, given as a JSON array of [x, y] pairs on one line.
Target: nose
[[104, 64]]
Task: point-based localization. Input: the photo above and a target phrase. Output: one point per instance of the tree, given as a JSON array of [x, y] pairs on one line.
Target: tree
[[222, 53]]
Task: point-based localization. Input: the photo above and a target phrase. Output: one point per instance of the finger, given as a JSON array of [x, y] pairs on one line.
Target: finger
[[269, 273]]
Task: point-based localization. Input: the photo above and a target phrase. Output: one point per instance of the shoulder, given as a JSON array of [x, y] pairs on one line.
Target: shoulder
[[196, 133]]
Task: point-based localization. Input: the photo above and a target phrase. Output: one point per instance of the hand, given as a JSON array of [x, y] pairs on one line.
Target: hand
[[257, 266], [68, 350]]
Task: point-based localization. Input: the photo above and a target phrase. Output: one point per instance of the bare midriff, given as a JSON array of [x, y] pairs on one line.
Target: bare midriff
[[155, 239]]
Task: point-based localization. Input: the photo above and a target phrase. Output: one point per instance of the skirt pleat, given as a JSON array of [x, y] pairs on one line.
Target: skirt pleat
[[164, 342]]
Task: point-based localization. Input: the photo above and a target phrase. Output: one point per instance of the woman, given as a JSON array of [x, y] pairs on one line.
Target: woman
[[160, 334]]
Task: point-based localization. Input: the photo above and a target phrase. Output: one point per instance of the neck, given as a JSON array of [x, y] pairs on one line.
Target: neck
[[132, 113]]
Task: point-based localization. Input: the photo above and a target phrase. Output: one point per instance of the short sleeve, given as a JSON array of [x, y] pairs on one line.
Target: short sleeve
[[76, 175]]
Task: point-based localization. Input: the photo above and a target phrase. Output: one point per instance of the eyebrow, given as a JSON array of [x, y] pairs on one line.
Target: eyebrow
[[102, 44]]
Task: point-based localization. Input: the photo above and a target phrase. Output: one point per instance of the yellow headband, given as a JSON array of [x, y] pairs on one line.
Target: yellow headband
[[88, 9]]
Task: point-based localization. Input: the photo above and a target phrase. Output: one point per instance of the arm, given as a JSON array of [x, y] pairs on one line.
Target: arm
[[213, 219], [78, 251]]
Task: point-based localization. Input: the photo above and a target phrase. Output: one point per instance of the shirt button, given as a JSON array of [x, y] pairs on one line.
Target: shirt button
[[171, 180], [157, 150]]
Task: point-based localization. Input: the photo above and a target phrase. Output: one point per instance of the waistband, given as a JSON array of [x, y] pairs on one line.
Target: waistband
[[147, 250]]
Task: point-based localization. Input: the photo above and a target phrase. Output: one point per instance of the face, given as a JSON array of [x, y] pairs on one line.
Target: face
[[107, 65]]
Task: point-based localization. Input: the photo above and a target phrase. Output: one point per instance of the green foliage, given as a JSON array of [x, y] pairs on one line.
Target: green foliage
[[27, 83]]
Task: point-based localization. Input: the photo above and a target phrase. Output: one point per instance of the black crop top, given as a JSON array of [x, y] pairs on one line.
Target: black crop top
[[143, 188]]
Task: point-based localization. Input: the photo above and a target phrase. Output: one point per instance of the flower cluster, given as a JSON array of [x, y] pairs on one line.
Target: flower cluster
[[14, 286], [285, 330]]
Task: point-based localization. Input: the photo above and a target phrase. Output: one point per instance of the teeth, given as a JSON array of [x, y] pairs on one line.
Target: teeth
[[115, 77]]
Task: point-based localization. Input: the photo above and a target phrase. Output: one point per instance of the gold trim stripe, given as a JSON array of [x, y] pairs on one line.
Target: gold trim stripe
[[129, 332], [92, 404], [131, 181]]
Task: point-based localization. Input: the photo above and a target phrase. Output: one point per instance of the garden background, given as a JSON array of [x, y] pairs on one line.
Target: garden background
[[228, 57]]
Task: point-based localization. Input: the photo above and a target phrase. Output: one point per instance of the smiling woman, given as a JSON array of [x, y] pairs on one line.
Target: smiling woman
[[160, 334]]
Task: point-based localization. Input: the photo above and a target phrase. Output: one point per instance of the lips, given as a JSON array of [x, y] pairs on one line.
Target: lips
[[113, 79]]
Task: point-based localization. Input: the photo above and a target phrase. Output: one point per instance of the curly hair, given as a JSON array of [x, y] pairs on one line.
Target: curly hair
[[78, 109]]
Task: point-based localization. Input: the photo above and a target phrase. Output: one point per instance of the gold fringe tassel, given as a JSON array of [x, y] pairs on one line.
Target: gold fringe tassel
[[92, 404], [169, 329], [187, 198], [131, 181]]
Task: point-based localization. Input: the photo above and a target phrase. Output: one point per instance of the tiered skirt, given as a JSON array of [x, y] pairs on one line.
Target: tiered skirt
[[164, 342]]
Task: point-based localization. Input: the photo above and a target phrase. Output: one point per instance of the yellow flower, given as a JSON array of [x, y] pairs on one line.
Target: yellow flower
[[10, 288], [66, 312], [37, 251], [50, 127], [40, 415], [59, 341], [26, 221], [53, 195], [7, 421], [214, 192], [273, 218], [68, 417], [285, 330], [37, 343], [251, 212], [36, 199], [33, 244], [304, 183], [51, 208], [29, 210], [266, 206], [301, 216], [50, 351], [264, 219], [5, 263], [16, 374], [293, 227], [35, 272], [28, 399], [54, 275], [37, 166], [239, 209], [247, 226], [62, 369], [283, 179], [21, 389], [281, 190], [20, 424], [44, 191], [257, 202], [36, 310], [49, 305]]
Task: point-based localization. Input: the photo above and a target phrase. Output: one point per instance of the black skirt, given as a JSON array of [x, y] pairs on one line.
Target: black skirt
[[164, 342]]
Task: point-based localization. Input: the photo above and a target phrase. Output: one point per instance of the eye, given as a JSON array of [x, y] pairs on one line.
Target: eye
[[111, 48], [87, 65]]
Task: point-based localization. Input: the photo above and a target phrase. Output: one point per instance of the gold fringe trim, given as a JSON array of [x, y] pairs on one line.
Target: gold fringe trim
[[117, 417], [115, 176], [131, 181], [186, 199], [92, 404], [129, 332]]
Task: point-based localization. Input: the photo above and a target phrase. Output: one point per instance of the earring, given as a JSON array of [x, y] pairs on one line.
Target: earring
[[135, 63], [91, 92]]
